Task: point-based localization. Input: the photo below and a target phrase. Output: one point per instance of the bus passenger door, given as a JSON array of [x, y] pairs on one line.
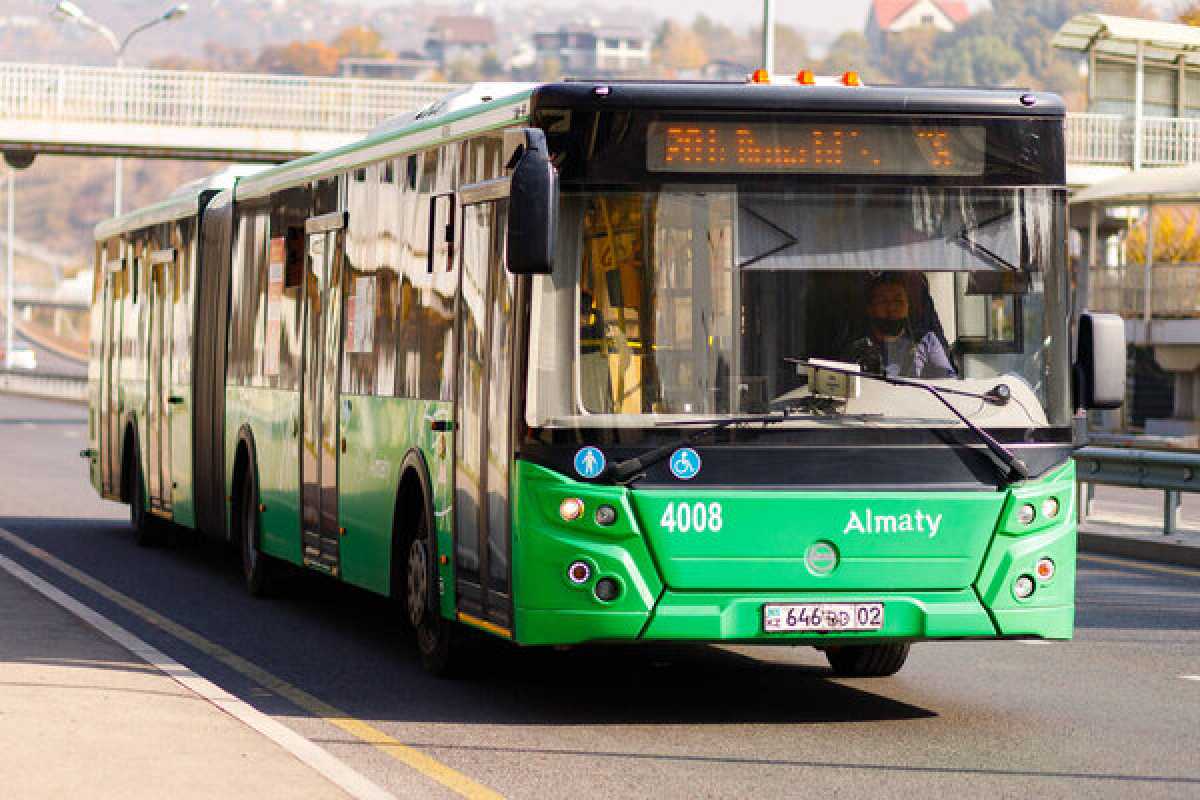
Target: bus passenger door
[[158, 423], [110, 374], [319, 382], [483, 394]]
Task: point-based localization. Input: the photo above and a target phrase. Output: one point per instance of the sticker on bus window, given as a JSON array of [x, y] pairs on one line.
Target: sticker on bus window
[[360, 316], [275, 277]]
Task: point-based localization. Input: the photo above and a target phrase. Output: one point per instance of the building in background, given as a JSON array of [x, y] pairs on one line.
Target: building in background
[[454, 38], [587, 52], [405, 67], [893, 16]]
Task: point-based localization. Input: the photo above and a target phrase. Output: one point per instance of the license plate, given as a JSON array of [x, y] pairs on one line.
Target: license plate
[[823, 617]]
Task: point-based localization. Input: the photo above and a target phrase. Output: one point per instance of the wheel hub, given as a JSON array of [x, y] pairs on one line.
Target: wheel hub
[[418, 583]]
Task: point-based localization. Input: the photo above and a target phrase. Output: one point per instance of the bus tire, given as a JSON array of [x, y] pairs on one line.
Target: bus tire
[[434, 633], [146, 531], [256, 565], [868, 661]]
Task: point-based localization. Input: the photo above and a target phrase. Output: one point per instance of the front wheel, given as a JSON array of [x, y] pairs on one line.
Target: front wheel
[[868, 661], [435, 634]]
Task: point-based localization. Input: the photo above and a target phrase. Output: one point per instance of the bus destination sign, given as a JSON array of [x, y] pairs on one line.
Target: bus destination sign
[[869, 149]]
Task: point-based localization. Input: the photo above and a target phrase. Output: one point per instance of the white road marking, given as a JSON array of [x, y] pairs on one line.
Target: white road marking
[[337, 771]]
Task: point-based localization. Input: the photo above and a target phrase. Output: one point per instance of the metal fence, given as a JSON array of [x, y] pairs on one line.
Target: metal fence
[[49, 92], [1172, 472], [72, 388], [1108, 139], [1174, 290], [1099, 139]]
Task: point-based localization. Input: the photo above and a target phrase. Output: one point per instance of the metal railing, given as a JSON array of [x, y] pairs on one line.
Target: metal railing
[[1108, 139], [1174, 290], [1099, 139], [72, 388], [50, 92], [1171, 472]]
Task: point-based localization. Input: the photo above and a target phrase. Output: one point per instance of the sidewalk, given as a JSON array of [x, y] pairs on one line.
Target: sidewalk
[[1138, 539], [81, 716]]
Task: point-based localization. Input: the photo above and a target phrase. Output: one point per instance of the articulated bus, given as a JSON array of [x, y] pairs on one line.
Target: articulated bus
[[588, 362]]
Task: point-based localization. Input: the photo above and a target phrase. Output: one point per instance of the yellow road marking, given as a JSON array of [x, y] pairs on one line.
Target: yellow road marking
[[428, 766], [1135, 564]]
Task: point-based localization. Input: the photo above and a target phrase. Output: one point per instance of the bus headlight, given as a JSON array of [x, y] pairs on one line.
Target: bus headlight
[[570, 509], [1023, 587], [1026, 514], [1050, 507]]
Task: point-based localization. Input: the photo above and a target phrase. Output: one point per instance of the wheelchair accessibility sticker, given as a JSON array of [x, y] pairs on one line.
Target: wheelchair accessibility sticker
[[589, 462], [685, 463]]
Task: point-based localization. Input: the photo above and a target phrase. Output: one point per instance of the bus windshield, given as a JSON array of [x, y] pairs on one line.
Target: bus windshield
[[698, 301]]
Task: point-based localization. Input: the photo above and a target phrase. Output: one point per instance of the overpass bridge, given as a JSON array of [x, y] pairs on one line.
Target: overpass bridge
[[150, 113]]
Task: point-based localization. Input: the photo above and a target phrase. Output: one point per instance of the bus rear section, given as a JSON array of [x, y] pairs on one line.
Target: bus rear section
[[799, 376]]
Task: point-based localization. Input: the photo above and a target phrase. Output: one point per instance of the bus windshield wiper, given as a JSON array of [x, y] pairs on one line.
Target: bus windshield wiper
[[999, 395], [627, 470]]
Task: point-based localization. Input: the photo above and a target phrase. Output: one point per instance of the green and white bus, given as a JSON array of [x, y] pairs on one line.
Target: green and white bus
[[771, 363]]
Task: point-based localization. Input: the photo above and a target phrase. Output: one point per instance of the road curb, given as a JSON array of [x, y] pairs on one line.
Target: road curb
[[1139, 548]]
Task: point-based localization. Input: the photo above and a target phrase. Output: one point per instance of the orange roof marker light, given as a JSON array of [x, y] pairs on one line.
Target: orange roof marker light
[[760, 75], [806, 77], [852, 79]]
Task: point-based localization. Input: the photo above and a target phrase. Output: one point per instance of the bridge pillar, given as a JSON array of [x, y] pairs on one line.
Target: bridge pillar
[[1183, 362]]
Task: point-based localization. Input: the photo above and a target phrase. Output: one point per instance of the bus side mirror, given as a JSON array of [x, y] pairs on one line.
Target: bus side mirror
[[532, 208], [1100, 362]]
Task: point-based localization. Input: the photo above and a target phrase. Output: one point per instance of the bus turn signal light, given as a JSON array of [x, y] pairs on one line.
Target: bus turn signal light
[[1045, 569]]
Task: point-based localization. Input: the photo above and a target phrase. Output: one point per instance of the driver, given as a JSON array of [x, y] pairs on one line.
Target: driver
[[891, 346]]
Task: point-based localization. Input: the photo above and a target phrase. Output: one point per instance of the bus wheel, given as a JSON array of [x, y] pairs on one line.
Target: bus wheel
[[256, 567], [146, 531], [868, 661], [434, 632]]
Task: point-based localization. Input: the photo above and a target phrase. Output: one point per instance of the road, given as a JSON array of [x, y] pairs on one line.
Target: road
[[1110, 714]]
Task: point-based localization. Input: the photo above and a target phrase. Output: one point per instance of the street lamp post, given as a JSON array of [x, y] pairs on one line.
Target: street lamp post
[[769, 36], [11, 201], [70, 12]]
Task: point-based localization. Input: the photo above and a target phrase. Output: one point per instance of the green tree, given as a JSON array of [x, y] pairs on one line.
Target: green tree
[[981, 61], [679, 48], [910, 56], [850, 51]]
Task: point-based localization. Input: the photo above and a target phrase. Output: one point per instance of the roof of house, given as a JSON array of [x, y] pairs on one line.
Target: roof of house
[[886, 11], [463, 30]]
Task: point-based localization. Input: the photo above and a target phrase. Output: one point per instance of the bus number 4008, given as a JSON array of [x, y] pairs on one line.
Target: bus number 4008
[[689, 517]]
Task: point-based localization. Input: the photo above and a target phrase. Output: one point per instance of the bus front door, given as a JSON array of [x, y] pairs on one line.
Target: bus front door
[[483, 394], [320, 377]]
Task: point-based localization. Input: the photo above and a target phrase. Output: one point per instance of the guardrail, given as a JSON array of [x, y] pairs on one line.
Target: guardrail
[[44, 384], [1108, 139], [52, 92], [1171, 472]]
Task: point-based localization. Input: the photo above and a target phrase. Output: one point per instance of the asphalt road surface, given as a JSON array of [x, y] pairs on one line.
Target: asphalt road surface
[[1114, 713]]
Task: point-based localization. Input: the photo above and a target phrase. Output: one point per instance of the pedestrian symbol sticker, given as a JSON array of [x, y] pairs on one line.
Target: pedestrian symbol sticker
[[589, 462], [685, 463]]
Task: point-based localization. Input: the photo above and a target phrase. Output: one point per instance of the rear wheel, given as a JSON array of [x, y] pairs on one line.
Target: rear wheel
[[435, 634], [256, 567], [868, 661], [146, 531]]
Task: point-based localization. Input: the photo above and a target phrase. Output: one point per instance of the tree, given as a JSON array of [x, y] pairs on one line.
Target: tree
[[910, 56], [1190, 14], [463, 70], [850, 51], [981, 61], [298, 58], [1129, 8], [359, 41], [490, 65], [791, 50], [1176, 238], [680, 48]]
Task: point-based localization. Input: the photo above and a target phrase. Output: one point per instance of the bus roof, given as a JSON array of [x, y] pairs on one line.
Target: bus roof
[[490, 106], [730, 96], [183, 202]]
